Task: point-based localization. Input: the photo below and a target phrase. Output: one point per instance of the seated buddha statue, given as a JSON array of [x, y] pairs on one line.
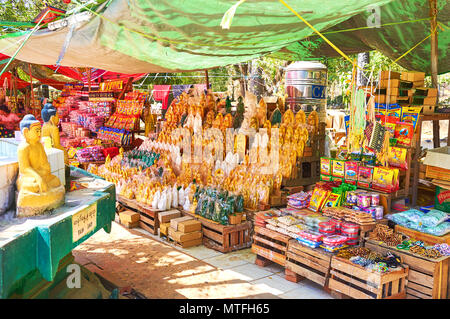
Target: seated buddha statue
[[50, 128], [39, 190]]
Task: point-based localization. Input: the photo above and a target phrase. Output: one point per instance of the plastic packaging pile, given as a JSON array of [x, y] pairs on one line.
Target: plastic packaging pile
[[299, 200], [434, 222]]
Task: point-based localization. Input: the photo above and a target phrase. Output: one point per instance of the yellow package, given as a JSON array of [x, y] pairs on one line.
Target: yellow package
[[397, 157], [383, 178], [318, 197]]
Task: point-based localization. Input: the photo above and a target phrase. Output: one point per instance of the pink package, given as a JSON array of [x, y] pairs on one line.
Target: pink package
[[311, 235], [334, 240]]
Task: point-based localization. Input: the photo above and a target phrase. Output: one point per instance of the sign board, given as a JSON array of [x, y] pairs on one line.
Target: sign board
[[84, 222], [318, 91]]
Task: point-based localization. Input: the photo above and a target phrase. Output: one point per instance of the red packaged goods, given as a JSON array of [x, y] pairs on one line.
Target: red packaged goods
[[111, 151], [350, 228], [334, 240], [311, 235], [327, 227]]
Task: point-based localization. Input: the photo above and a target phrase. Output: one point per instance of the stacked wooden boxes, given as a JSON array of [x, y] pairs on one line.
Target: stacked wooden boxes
[[164, 221], [394, 88], [129, 218], [186, 231]]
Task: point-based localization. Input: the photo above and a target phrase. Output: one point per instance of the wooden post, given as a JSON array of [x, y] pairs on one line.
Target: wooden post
[[31, 86], [207, 80], [434, 64]]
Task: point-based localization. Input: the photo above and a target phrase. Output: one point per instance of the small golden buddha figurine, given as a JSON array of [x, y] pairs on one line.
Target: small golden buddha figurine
[[209, 119], [300, 118], [39, 190], [50, 128], [313, 121]]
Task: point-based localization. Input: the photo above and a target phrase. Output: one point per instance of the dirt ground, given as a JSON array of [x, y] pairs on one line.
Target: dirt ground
[[130, 258]]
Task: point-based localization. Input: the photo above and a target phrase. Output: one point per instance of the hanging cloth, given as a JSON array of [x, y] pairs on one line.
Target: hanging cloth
[[177, 90], [161, 93]]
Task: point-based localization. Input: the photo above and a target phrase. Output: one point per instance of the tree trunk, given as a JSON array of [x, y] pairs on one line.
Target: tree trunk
[[363, 60], [256, 82]]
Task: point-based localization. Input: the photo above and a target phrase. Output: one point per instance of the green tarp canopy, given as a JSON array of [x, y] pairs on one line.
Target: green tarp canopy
[[134, 36]]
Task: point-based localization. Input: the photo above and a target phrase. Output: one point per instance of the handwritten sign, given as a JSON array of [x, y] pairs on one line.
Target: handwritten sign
[[84, 222]]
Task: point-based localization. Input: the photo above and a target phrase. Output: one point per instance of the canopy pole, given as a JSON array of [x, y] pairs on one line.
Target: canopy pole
[[207, 80], [434, 65], [31, 87]]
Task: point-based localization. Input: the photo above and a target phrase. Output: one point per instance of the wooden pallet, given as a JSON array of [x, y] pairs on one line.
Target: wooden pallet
[[148, 219], [302, 261], [224, 238], [357, 282], [148, 216], [426, 238], [427, 279], [270, 245]]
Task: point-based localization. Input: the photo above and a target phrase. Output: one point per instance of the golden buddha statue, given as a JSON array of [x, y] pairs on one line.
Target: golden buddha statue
[[50, 128], [209, 119], [39, 190]]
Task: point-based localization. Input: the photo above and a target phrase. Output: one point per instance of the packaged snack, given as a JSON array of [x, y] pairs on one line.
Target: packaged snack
[[326, 166], [325, 178], [332, 248], [351, 171], [288, 220], [317, 199], [311, 235], [327, 227], [379, 212], [442, 199], [338, 168], [332, 200], [384, 178], [363, 200], [365, 176], [334, 240], [404, 133], [308, 243], [397, 157], [433, 218], [439, 230]]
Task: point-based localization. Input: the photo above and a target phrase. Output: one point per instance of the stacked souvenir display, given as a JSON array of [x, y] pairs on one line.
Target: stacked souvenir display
[[121, 137], [90, 154], [127, 112]]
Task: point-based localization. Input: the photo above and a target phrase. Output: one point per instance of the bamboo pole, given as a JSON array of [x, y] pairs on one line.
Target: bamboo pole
[[434, 64]]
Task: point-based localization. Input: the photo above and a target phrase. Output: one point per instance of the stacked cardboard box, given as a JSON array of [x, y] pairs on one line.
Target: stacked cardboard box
[[395, 87], [164, 220], [186, 231], [129, 218]]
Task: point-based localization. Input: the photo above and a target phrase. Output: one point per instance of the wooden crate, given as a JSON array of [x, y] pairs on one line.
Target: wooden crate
[[270, 245], [313, 264], [427, 279], [426, 238], [224, 238], [357, 282], [148, 219], [437, 173]]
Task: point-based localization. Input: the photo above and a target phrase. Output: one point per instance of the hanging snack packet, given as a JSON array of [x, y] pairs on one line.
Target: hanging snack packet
[[338, 168], [404, 133], [325, 178], [318, 197], [397, 157], [395, 110], [351, 172], [364, 176], [411, 115], [326, 165]]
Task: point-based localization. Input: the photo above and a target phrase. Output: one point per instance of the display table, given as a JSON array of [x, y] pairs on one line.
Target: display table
[[32, 249]]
